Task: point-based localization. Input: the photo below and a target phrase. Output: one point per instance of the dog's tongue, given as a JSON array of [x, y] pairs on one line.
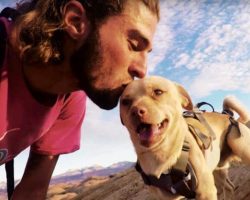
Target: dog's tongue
[[146, 131]]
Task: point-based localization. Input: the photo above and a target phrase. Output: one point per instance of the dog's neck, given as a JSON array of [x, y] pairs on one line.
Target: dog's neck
[[162, 159]]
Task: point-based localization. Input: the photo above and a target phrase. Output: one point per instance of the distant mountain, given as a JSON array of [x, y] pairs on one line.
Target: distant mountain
[[83, 174], [80, 175]]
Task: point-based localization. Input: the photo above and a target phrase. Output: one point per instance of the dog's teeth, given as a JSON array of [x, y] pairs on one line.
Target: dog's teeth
[[160, 125]]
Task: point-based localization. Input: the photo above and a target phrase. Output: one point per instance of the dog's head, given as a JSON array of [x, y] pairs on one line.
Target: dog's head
[[150, 108]]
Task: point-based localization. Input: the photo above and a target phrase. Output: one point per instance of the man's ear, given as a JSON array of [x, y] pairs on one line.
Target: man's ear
[[186, 101], [75, 20]]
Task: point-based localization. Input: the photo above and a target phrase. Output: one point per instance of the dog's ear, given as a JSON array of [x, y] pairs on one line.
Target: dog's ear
[[186, 101]]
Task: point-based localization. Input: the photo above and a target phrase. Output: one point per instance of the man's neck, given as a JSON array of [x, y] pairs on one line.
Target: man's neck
[[46, 82]]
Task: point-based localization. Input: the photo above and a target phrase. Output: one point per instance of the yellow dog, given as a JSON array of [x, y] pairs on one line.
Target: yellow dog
[[152, 111]]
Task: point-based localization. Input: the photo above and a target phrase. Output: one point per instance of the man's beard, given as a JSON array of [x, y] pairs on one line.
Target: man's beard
[[86, 60]]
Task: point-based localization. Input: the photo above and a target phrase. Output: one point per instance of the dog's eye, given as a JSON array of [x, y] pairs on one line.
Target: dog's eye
[[125, 102], [158, 92]]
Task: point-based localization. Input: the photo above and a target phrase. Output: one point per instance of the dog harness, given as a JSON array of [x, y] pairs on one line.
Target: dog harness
[[181, 179]]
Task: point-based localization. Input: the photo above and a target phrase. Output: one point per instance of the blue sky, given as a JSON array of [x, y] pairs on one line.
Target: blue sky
[[203, 45]]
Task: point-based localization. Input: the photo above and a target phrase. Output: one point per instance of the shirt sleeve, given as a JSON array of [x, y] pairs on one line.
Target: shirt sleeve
[[64, 135]]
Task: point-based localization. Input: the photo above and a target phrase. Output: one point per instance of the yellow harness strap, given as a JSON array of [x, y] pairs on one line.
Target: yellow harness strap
[[200, 133]]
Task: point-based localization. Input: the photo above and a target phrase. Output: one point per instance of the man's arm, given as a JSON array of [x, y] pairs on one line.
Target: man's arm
[[36, 178]]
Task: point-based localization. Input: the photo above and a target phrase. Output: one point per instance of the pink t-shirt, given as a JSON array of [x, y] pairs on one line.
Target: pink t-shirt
[[25, 122]]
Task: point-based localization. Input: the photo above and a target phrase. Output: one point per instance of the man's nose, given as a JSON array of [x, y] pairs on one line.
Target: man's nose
[[138, 68]]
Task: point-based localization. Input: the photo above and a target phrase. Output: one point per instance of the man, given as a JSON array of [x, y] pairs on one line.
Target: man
[[55, 50]]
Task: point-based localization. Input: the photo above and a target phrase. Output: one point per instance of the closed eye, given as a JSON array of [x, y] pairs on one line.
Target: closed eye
[[137, 41]]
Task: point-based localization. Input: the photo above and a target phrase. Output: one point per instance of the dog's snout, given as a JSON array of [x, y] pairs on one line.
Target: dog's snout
[[139, 111]]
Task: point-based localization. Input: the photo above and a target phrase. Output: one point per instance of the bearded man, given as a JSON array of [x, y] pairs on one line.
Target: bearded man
[[57, 52]]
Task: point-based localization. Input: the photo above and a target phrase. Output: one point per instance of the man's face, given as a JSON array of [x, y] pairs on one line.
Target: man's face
[[115, 53]]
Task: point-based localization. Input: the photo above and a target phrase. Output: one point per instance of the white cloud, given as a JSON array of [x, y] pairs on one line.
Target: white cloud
[[223, 51], [182, 60], [162, 39], [218, 76], [211, 40], [166, 33]]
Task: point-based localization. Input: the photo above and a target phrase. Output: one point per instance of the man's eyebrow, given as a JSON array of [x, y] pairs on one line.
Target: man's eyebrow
[[136, 34]]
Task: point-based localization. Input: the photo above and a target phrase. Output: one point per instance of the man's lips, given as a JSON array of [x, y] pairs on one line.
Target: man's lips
[[146, 131]]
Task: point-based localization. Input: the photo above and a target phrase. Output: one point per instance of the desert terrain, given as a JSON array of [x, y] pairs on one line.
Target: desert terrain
[[128, 185]]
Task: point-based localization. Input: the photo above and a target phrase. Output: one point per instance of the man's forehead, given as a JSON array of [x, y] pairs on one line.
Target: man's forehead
[[141, 19], [137, 9], [139, 6]]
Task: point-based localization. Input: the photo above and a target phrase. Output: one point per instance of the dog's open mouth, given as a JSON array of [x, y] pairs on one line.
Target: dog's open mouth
[[147, 131]]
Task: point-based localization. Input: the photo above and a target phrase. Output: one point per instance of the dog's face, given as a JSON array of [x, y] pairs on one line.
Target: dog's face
[[149, 107]]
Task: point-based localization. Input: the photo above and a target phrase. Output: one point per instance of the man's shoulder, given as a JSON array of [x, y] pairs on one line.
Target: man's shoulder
[[75, 96], [75, 101]]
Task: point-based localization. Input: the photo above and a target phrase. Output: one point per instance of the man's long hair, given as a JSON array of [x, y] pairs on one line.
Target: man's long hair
[[40, 26]]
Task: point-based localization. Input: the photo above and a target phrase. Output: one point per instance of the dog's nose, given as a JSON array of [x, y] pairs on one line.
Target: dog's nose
[[139, 111]]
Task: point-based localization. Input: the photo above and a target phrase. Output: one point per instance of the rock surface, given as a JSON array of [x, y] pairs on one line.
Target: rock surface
[[128, 185]]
